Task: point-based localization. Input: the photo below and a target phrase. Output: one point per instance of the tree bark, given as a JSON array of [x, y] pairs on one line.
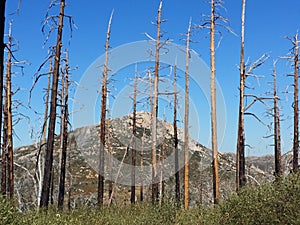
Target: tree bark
[[277, 141], [155, 109], [296, 107], [10, 155], [186, 122], [64, 134], [177, 173], [103, 118], [216, 192], [133, 147], [240, 153], [52, 121], [2, 47]]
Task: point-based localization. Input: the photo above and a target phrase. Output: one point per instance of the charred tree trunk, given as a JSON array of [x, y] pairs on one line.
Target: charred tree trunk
[[186, 122], [162, 172], [277, 139], [215, 165], [10, 155], [177, 173], [51, 127], [4, 151], [141, 172], [64, 134], [155, 109], [110, 159], [2, 47], [296, 107], [103, 118], [240, 152], [133, 148]]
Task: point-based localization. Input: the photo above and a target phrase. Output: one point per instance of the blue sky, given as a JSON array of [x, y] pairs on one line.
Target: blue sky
[[267, 23]]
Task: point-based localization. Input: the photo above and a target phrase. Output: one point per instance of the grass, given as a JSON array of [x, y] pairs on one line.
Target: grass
[[276, 203]]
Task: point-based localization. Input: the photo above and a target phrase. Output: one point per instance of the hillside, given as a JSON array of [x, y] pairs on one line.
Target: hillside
[[83, 150]]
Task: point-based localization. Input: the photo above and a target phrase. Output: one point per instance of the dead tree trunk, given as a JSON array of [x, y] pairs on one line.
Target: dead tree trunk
[[2, 47], [296, 106], [155, 109], [277, 139], [52, 121], [162, 168], [103, 118], [141, 171], [10, 155], [110, 158], [240, 153], [133, 147], [177, 174], [41, 151], [216, 192], [186, 122], [64, 133], [4, 151]]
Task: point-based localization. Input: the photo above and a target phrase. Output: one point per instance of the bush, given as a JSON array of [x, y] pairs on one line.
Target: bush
[[276, 203]]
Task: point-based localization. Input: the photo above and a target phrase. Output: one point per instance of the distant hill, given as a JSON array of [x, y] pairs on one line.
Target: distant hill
[[83, 147]]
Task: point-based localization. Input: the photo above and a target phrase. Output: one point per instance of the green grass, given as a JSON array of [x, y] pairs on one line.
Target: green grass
[[277, 203]]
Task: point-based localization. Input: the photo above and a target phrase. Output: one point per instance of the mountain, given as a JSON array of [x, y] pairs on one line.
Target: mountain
[[83, 151]]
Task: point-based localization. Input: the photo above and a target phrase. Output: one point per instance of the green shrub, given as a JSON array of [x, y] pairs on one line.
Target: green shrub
[[276, 203]]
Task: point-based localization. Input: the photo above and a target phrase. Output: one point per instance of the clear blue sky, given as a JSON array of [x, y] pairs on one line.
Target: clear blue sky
[[267, 22]]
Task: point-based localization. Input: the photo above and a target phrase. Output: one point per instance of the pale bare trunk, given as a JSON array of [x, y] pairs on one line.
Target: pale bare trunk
[[155, 109], [103, 118], [186, 122], [10, 155], [216, 192]]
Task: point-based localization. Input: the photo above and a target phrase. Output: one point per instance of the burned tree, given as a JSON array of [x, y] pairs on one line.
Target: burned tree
[[2, 47], [177, 173], [103, 117], [133, 148], [211, 22], [63, 131], [245, 72], [277, 139], [186, 121], [52, 118], [240, 152], [216, 191], [9, 123], [295, 43], [155, 107]]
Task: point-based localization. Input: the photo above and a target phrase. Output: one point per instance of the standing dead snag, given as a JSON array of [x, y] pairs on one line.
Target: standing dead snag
[[64, 132], [296, 104], [133, 148], [186, 122], [216, 192], [52, 121], [277, 141], [2, 47], [240, 152], [103, 117], [8, 106], [177, 173], [155, 108]]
